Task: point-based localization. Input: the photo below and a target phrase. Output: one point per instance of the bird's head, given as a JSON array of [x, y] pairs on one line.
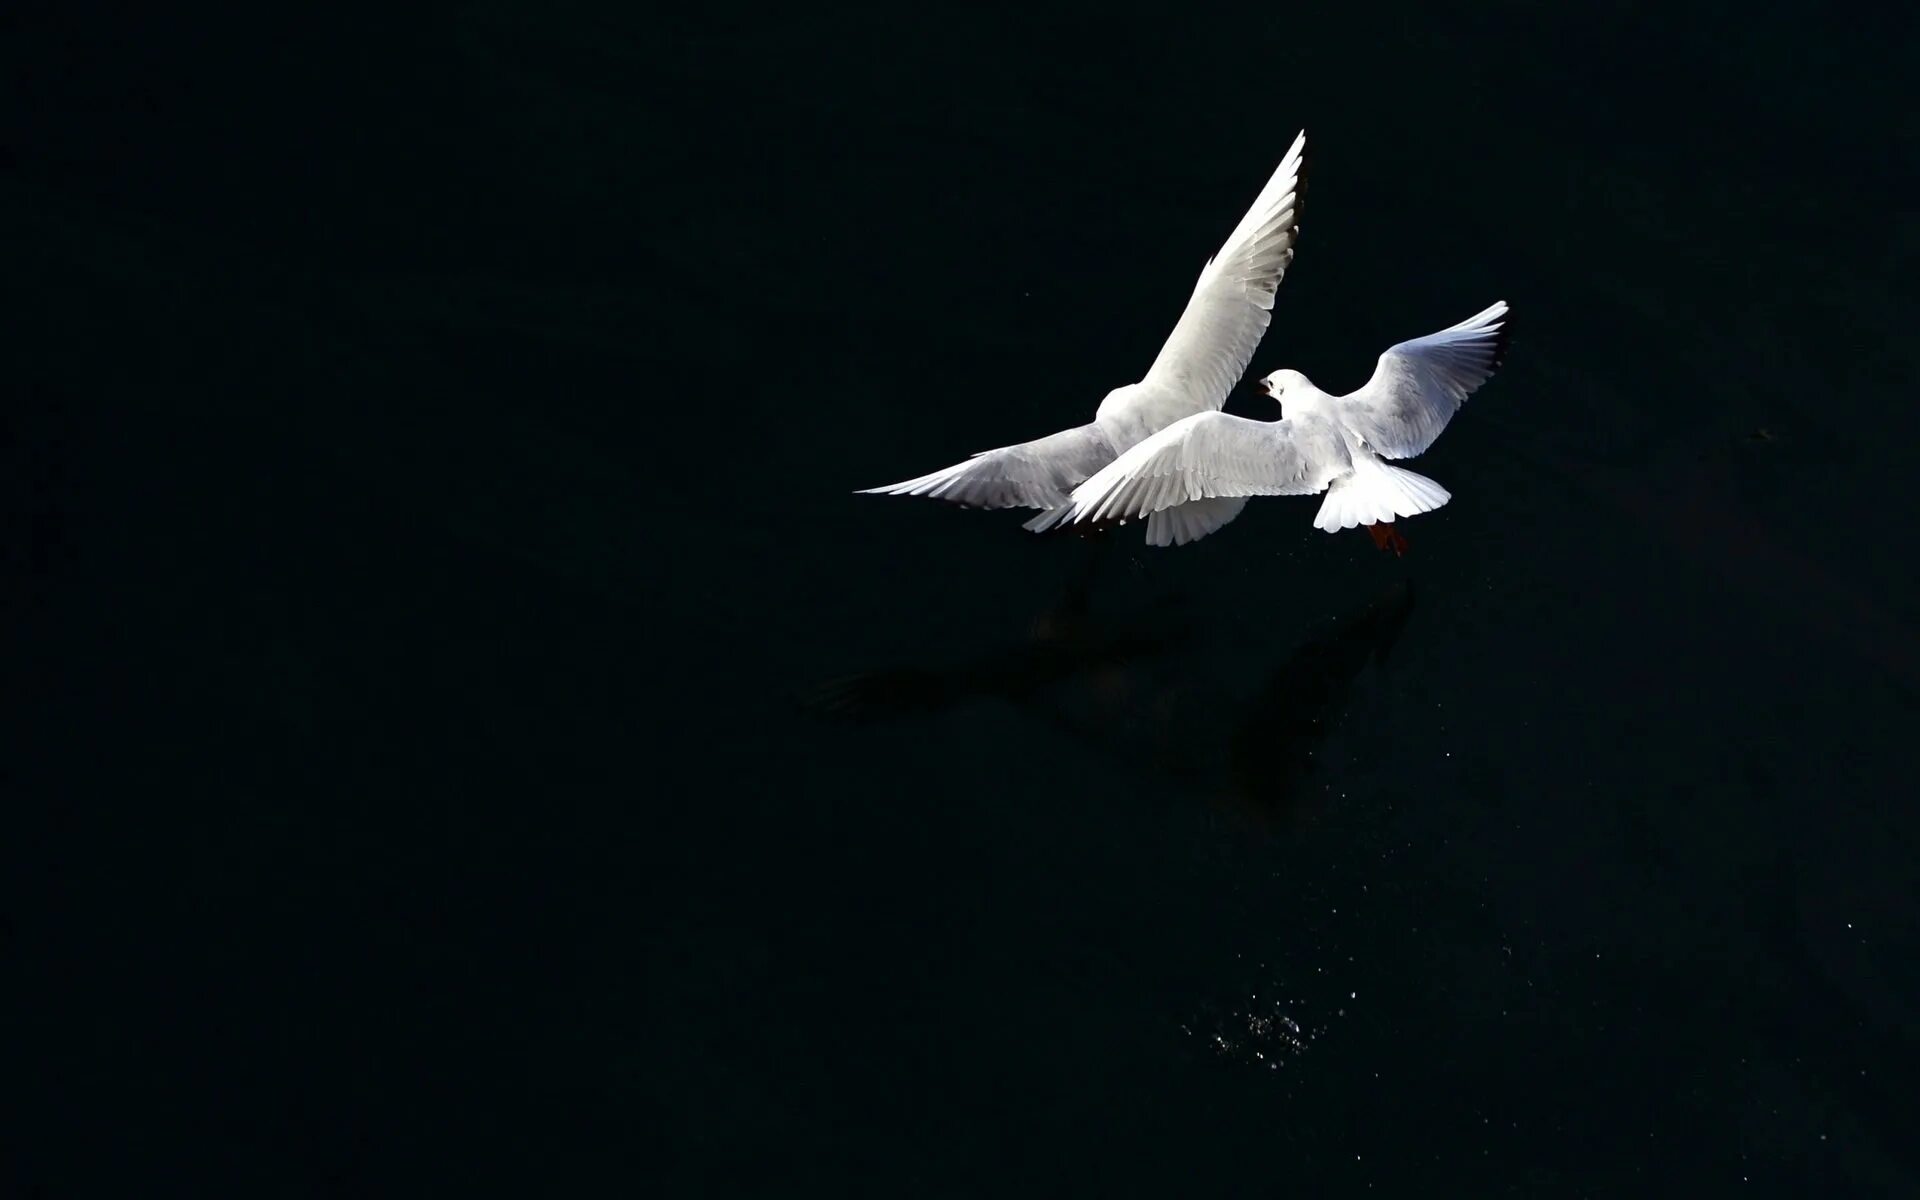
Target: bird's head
[[1285, 386]]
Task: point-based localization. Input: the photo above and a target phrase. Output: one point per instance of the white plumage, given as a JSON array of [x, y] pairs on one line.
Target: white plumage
[[1334, 444], [1202, 359]]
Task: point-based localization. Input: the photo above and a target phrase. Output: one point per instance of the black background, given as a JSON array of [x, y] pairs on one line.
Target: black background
[[428, 444]]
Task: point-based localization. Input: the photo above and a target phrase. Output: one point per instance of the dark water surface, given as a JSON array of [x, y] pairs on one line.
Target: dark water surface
[[466, 738]]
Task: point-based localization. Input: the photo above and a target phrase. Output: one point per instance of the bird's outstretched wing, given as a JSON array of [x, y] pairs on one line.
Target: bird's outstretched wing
[[1419, 385], [1037, 474], [1211, 456], [1233, 300]]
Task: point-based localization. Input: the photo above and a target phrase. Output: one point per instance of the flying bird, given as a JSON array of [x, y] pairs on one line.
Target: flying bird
[[1321, 443], [1204, 357]]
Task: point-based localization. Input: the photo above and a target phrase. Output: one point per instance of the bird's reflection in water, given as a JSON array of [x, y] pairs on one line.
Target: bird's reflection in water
[[1281, 732], [1177, 692], [1158, 687], [1066, 641]]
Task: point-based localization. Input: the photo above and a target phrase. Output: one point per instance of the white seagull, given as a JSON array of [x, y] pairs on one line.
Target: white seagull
[[1203, 358], [1321, 443]]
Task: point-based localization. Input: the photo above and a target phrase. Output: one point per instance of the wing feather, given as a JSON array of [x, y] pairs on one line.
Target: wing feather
[[1418, 385], [1232, 302], [1037, 474], [1209, 456]]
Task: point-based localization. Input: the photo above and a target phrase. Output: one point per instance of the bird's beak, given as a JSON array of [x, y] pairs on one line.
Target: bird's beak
[[1260, 385]]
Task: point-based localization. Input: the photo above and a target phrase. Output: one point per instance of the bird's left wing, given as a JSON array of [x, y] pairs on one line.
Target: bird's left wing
[[1036, 474], [1419, 385], [1233, 300], [1209, 456]]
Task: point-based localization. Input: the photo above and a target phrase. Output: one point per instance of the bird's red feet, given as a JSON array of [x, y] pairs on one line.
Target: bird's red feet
[[1387, 538]]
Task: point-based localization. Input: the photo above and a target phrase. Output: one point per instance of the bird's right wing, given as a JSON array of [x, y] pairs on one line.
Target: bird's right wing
[[1233, 301], [1037, 474], [1212, 455], [1419, 385]]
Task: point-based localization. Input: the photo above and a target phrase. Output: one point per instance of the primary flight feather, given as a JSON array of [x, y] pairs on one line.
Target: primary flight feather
[[1202, 359]]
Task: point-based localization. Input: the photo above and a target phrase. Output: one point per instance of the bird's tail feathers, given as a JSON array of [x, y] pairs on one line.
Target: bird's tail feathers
[[1376, 493]]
